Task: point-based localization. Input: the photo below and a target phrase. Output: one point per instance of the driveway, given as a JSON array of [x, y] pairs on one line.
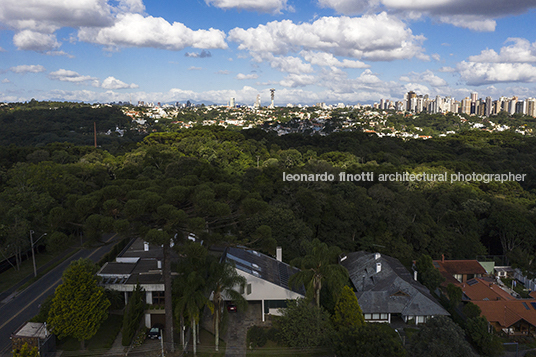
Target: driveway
[[238, 325]]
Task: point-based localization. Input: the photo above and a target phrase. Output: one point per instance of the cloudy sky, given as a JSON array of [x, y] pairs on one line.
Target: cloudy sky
[[349, 51]]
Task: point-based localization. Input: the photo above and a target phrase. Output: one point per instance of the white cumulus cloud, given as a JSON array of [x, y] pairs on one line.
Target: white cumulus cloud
[[520, 51], [114, 83], [247, 76], [25, 68], [426, 76], [289, 64], [66, 75], [135, 30], [477, 15], [297, 80], [266, 6], [474, 73], [35, 41], [378, 37], [327, 59]]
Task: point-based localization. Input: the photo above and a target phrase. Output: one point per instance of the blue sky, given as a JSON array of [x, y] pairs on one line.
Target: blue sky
[[332, 51]]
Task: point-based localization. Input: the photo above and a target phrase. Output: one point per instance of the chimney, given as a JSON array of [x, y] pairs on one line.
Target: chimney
[[279, 254], [378, 267], [442, 258], [159, 264], [146, 246], [377, 256], [415, 275]]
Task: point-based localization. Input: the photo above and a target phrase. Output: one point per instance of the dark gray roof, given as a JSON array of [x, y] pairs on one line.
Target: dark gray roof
[[392, 289], [262, 266], [145, 270], [114, 268], [136, 249]]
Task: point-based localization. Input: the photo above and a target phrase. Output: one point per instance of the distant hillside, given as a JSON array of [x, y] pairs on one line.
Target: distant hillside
[[26, 126]]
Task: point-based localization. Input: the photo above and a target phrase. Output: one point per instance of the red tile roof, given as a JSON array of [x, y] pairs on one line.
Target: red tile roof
[[461, 266], [507, 313], [480, 289]]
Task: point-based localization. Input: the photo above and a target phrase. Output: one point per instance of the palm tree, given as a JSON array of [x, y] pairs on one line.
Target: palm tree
[[194, 260], [191, 301], [318, 265], [224, 279]]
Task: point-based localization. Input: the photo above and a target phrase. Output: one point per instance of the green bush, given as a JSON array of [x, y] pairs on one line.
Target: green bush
[[256, 336], [133, 314]]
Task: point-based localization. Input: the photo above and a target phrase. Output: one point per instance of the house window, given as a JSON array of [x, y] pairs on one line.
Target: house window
[[420, 319], [158, 297], [241, 289], [378, 317], [249, 289], [458, 277]]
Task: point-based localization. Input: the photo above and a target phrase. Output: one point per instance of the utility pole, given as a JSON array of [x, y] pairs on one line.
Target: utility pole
[[33, 252]]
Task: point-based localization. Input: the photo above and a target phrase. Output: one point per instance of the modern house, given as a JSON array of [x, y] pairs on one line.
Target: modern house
[[385, 289], [35, 334], [140, 262], [267, 278]]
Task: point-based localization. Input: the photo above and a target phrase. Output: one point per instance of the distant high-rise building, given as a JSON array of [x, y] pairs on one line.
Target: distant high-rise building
[[512, 106], [232, 103], [531, 107], [521, 107], [272, 93], [489, 105], [408, 97], [466, 105], [257, 104], [474, 97]]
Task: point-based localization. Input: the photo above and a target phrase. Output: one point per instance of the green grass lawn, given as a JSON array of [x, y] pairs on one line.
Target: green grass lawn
[[98, 344], [273, 349], [13, 276], [206, 348]]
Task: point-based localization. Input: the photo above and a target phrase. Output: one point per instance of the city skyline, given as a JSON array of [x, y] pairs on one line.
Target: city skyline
[[332, 51]]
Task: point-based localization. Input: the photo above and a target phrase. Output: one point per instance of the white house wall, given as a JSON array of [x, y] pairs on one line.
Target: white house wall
[[264, 290]]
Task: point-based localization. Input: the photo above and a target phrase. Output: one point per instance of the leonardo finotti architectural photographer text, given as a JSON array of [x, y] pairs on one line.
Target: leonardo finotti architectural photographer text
[[405, 177]]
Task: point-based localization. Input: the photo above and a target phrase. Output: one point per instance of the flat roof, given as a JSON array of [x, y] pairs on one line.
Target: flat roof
[[32, 329]]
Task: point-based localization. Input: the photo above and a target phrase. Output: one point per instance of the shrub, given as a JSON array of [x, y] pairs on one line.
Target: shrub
[[133, 314], [257, 336]]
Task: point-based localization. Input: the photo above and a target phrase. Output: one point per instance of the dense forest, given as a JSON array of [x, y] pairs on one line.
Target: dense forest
[[227, 187]]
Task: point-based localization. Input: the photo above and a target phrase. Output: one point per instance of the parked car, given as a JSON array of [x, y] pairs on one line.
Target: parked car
[[231, 307], [155, 332]]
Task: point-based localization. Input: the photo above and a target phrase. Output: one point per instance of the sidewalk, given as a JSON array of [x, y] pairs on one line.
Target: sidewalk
[[12, 292], [117, 348]]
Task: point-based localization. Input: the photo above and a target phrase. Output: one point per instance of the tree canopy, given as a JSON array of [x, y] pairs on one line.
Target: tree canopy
[[79, 305]]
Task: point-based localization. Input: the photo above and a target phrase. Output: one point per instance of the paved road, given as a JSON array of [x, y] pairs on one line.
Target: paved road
[[26, 304]]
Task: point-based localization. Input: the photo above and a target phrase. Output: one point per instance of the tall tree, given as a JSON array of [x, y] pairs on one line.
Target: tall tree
[[427, 274], [192, 300], [348, 313], [79, 305], [224, 280], [319, 265]]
